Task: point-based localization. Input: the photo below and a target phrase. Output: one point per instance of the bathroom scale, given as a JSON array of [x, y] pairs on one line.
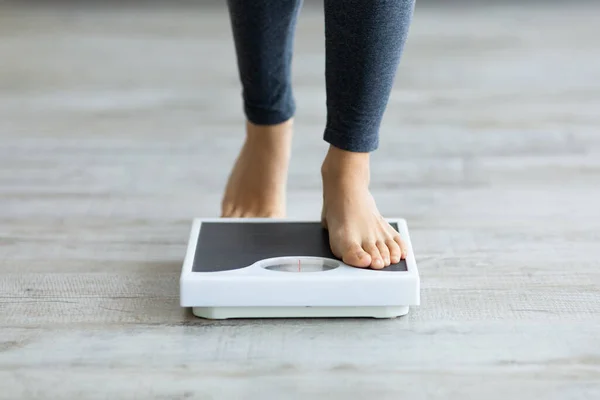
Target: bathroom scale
[[282, 268]]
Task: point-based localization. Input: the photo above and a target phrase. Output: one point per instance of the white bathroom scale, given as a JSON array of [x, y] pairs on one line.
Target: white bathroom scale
[[281, 268]]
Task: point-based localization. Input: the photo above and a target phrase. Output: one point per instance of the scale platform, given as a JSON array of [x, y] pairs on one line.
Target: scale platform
[[281, 268]]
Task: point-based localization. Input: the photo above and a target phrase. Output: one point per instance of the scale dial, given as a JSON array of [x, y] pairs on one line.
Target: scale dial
[[299, 264]]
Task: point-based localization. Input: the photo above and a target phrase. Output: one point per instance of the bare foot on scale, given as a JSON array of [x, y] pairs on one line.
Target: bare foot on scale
[[358, 234], [257, 184]]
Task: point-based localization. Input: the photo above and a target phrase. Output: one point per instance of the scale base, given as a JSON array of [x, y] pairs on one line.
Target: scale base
[[299, 312]]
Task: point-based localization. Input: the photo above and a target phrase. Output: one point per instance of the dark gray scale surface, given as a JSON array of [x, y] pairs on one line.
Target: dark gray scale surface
[[232, 245]]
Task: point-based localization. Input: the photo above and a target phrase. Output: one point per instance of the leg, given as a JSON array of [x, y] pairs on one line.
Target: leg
[[263, 32], [364, 43]]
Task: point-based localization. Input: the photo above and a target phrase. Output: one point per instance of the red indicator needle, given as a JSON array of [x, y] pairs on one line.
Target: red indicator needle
[[299, 269]]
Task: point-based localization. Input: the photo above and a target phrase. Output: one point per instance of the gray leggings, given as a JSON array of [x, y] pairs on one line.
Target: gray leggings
[[364, 40]]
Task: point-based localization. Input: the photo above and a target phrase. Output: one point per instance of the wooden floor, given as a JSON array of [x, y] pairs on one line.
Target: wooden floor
[[119, 125]]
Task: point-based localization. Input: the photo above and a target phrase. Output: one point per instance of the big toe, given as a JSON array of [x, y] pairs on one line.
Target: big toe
[[354, 255], [377, 261]]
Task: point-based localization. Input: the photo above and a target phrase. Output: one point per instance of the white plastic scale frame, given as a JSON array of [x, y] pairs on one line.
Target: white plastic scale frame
[[297, 286]]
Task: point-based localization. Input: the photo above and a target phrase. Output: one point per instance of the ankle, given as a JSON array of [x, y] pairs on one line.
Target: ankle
[[272, 137], [342, 165]]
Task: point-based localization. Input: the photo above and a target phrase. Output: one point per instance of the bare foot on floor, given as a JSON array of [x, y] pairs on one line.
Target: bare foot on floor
[[358, 234], [257, 184]]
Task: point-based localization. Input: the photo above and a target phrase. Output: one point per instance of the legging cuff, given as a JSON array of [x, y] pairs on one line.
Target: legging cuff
[[357, 142], [263, 116]]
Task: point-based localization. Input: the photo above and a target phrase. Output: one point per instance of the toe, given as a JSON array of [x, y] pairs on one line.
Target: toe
[[402, 245], [226, 210], [395, 251], [355, 256], [384, 251], [235, 213], [376, 260], [248, 214]]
